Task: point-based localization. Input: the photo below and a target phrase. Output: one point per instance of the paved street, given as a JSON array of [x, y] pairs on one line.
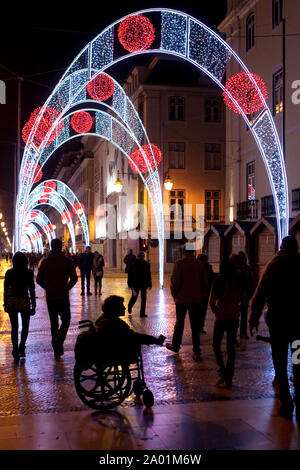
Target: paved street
[[39, 408]]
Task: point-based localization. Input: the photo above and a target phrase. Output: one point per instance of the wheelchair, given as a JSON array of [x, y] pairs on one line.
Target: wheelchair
[[105, 384]]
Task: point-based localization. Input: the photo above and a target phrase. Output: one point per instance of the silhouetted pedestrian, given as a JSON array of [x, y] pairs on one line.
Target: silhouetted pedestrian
[[226, 298], [139, 280], [85, 264], [279, 288], [57, 276], [128, 260], [203, 258], [98, 265], [18, 284], [188, 285]]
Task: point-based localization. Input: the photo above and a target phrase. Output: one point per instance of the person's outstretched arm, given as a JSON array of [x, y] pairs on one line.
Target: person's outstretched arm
[[73, 276]]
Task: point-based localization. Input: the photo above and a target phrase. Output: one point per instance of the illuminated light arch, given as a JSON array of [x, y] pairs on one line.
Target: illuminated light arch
[[56, 201], [62, 192], [43, 221], [183, 36], [109, 128], [35, 237]]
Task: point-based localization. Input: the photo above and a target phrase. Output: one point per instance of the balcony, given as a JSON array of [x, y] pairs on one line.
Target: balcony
[[247, 210]]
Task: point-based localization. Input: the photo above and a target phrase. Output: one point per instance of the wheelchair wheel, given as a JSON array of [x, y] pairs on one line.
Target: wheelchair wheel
[[102, 387], [148, 398]]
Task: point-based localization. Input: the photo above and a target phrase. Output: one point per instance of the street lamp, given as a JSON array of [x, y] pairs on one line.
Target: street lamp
[[168, 183], [118, 185], [1, 215]]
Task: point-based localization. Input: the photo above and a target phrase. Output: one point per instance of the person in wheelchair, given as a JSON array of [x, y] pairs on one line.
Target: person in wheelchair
[[115, 339]]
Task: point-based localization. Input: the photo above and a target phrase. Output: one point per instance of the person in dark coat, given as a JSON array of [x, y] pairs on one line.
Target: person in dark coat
[[203, 258], [85, 264], [139, 280], [279, 288], [226, 299], [19, 283], [188, 285], [115, 339], [98, 265], [57, 276], [129, 260]]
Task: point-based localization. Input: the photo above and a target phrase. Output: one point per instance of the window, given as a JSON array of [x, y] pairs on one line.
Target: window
[[251, 181], [212, 156], [250, 38], [176, 154], [276, 12], [176, 108], [296, 199], [212, 205], [212, 110], [278, 92], [177, 198], [267, 206]]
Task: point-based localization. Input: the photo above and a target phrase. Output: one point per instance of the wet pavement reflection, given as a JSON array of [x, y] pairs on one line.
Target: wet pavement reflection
[[39, 384]]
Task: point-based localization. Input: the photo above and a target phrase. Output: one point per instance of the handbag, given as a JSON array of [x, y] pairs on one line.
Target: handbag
[[99, 273], [17, 304]]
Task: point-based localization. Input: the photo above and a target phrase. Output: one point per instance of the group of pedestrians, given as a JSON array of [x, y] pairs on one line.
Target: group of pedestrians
[[194, 286], [57, 275]]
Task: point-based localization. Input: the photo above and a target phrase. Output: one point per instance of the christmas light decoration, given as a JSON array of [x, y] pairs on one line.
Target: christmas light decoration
[[101, 87], [81, 122], [59, 192], [242, 89], [181, 36], [38, 173], [48, 118], [66, 216], [149, 153], [78, 208], [49, 186], [33, 215], [136, 33]]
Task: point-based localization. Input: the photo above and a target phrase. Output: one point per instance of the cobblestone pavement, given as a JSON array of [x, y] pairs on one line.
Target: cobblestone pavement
[[39, 384]]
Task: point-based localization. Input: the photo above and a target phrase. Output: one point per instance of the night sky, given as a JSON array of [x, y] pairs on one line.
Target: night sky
[[39, 38]]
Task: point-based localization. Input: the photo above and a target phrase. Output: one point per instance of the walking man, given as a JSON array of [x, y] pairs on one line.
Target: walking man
[[85, 264], [139, 279], [279, 288], [57, 276], [188, 285]]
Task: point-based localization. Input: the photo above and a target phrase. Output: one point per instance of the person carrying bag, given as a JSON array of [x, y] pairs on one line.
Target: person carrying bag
[[19, 296]]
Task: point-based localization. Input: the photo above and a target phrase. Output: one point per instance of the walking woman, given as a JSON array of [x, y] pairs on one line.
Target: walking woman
[[97, 269], [226, 300], [18, 285]]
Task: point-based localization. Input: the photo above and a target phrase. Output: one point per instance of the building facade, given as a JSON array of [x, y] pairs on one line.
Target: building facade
[[264, 33]]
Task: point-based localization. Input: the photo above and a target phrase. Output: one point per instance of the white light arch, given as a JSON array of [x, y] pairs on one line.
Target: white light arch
[[185, 37], [56, 201], [64, 191]]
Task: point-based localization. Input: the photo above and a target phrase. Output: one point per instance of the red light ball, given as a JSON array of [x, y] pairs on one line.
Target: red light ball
[[136, 33], [242, 89], [101, 87], [78, 208], [66, 216], [139, 159], [48, 118], [81, 122]]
